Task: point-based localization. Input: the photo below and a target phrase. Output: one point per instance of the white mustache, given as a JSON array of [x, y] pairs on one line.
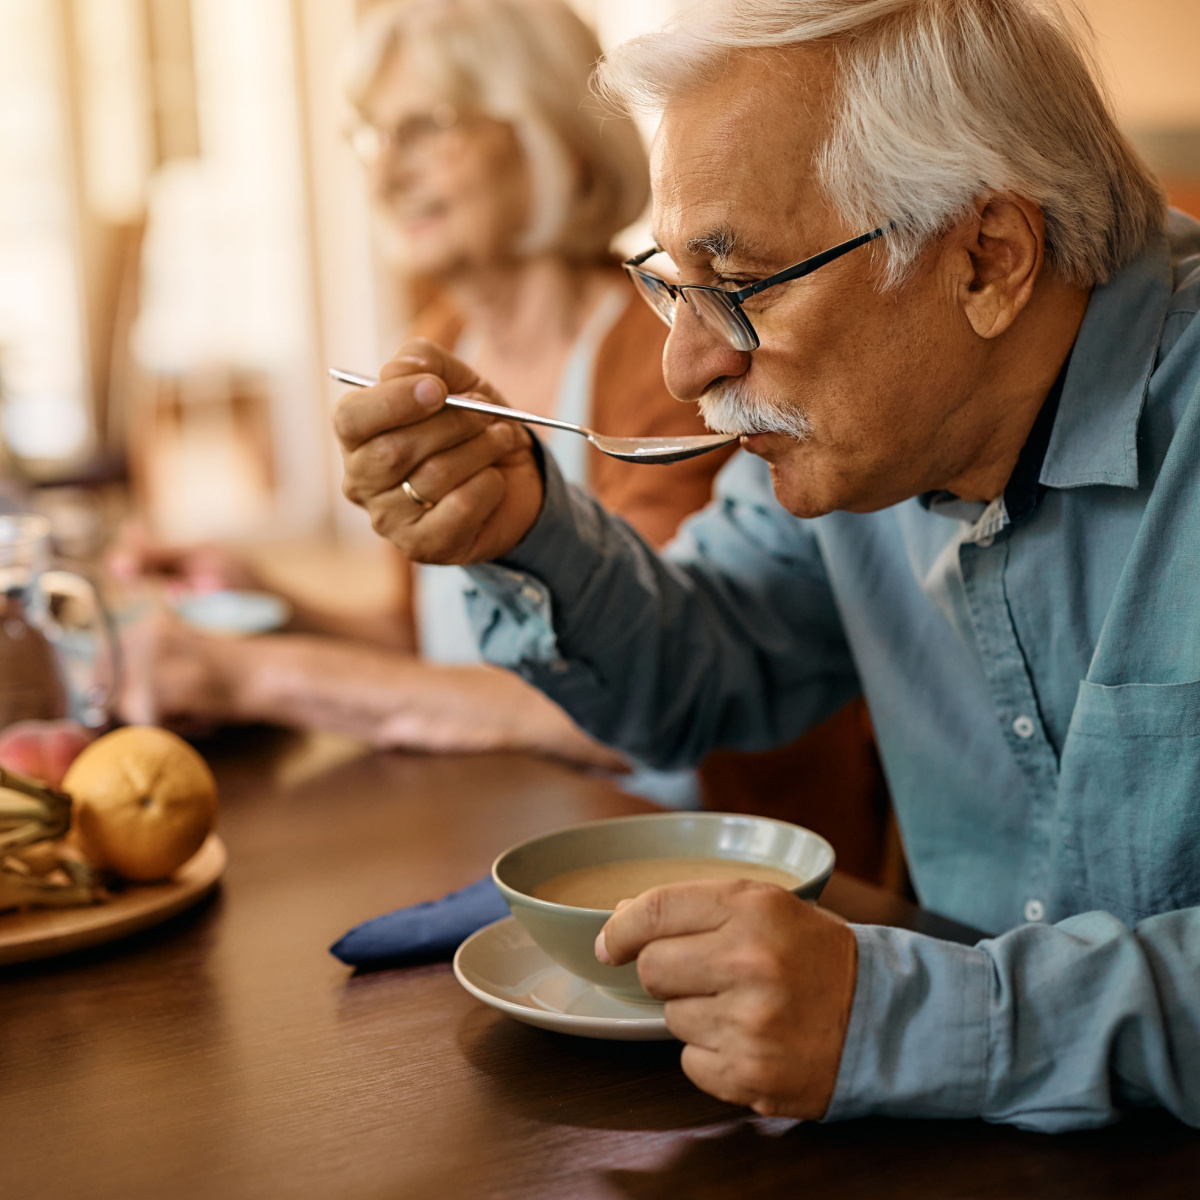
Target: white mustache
[[731, 407]]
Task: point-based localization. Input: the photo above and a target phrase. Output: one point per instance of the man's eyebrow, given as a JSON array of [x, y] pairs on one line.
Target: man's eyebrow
[[719, 243]]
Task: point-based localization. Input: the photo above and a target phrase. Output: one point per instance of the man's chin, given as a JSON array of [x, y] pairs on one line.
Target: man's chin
[[806, 492], [801, 502], [796, 483], [811, 482]]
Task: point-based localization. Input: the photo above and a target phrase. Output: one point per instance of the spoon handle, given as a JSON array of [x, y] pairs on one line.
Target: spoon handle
[[479, 406], [511, 414]]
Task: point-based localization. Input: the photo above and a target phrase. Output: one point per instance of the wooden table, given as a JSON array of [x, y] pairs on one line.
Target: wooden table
[[229, 1056]]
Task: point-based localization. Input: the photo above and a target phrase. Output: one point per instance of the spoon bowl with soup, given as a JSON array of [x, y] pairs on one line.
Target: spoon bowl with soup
[[563, 886]]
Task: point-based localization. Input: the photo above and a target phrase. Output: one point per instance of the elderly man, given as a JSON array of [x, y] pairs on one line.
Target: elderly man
[[981, 425]]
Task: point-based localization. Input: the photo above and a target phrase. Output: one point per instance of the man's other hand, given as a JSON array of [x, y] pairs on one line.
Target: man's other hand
[[477, 483], [757, 983]]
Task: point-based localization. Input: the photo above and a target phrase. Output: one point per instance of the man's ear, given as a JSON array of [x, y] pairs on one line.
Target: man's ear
[[1005, 242]]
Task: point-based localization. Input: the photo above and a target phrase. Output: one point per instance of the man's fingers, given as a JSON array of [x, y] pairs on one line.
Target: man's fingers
[[716, 1073], [696, 1020], [441, 474], [365, 413], [386, 460], [448, 532], [419, 356], [462, 515], [675, 910], [412, 387], [699, 964]]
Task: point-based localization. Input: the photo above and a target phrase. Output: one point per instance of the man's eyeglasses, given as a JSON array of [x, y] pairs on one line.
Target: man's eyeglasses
[[719, 308]]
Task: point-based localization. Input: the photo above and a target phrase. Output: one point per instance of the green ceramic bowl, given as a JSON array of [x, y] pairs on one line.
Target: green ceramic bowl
[[568, 934]]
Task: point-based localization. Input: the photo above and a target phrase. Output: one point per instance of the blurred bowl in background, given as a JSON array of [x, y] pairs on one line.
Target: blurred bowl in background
[[233, 613]]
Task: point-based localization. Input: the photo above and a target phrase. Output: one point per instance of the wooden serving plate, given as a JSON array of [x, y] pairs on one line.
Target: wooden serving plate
[[45, 932]]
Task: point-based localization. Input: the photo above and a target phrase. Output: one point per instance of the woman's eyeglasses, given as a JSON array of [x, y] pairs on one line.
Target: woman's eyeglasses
[[721, 309], [373, 142]]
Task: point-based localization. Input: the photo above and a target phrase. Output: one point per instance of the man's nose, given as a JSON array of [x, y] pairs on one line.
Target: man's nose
[[695, 358]]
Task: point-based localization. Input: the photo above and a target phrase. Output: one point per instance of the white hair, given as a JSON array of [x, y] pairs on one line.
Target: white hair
[[940, 103], [733, 406], [527, 63]]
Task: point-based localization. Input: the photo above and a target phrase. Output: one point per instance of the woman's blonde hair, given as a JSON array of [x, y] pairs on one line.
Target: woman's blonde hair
[[528, 63], [941, 102]]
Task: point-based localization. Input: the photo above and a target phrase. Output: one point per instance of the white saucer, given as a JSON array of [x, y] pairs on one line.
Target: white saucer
[[501, 966], [234, 612]]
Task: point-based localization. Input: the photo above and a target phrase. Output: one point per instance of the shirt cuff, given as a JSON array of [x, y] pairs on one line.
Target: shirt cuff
[[917, 1043], [510, 606], [509, 610], [511, 615]]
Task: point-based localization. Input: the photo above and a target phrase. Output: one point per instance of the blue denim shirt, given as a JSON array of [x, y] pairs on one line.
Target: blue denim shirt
[[1035, 689]]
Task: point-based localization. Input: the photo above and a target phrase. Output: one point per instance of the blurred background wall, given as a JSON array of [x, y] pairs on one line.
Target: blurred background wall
[[185, 240], [1148, 48]]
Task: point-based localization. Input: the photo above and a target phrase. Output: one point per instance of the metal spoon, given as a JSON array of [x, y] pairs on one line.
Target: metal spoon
[[629, 449]]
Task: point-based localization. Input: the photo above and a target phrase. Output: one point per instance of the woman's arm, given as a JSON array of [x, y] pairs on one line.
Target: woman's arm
[[388, 699], [137, 557]]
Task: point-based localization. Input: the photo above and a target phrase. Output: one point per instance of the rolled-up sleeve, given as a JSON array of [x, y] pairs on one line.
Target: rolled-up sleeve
[[730, 638], [1047, 1027], [511, 615]]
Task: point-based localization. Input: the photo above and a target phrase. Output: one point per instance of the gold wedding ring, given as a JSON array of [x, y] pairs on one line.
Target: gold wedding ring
[[415, 496]]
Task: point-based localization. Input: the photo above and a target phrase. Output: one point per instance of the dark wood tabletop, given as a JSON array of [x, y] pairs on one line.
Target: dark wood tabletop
[[228, 1056]]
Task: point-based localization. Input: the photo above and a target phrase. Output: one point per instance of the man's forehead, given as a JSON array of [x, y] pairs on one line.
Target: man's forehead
[[736, 157]]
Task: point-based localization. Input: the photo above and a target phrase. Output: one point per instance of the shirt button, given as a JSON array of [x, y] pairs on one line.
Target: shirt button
[[1034, 910], [986, 542], [531, 593], [1024, 727]]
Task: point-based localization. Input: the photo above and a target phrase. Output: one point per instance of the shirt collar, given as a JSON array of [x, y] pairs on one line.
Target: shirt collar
[[1087, 431], [1024, 488], [1094, 439]]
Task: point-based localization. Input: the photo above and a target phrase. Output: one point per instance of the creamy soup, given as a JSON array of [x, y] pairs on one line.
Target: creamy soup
[[604, 885]]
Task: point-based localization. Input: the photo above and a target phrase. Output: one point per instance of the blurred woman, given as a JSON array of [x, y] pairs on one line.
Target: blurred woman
[[499, 187]]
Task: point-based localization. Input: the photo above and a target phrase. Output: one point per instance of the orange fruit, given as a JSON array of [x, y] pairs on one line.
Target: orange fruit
[[144, 801]]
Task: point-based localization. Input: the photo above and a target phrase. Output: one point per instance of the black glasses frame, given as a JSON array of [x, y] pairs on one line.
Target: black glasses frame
[[649, 285]]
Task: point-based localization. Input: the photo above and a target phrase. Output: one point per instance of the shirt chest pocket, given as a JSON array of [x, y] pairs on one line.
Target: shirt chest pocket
[[1129, 800]]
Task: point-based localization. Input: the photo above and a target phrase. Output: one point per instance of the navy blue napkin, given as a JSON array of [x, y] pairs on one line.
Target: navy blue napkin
[[424, 932]]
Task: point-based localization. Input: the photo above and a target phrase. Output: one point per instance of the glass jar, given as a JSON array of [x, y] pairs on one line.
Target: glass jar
[[58, 657]]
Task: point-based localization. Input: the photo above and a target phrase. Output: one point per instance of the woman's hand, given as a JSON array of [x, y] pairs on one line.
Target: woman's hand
[[176, 676], [479, 709], [203, 568], [477, 474], [179, 677]]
